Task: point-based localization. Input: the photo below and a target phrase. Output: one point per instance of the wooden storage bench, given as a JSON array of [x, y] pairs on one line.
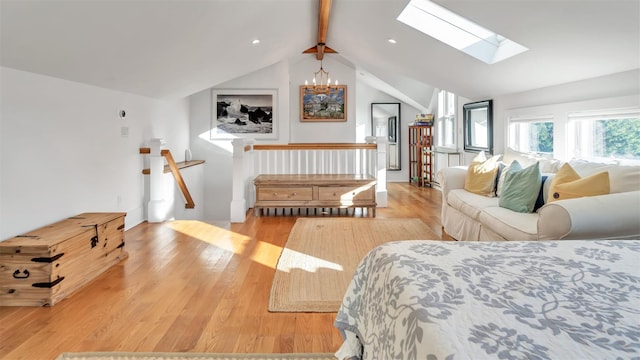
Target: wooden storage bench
[[44, 266], [315, 191]]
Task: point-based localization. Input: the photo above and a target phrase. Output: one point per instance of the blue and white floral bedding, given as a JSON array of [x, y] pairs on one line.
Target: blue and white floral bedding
[[503, 300]]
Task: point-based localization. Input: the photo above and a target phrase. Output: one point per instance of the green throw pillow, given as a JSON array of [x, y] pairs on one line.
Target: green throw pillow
[[521, 188]]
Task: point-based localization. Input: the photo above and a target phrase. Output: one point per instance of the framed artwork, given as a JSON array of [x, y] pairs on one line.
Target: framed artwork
[[250, 113], [323, 107]]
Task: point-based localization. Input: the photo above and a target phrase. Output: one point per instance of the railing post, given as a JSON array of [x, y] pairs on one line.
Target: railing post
[[238, 202], [156, 208], [249, 173], [380, 168]]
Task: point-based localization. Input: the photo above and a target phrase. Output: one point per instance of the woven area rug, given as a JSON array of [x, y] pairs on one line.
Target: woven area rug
[[321, 255], [188, 356]]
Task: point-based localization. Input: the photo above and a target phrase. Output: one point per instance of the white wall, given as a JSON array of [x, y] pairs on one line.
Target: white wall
[[62, 152], [174, 205]]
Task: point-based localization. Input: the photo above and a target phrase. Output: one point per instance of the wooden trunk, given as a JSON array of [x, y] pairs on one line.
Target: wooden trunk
[[44, 266]]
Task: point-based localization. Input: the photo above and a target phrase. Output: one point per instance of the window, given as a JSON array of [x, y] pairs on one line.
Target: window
[[458, 32], [446, 121], [606, 136], [531, 134], [478, 126]]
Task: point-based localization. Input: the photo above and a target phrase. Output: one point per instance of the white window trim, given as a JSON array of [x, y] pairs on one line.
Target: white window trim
[[611, 114], [560, 113], [443, 119], [523, 119], [573, 132]]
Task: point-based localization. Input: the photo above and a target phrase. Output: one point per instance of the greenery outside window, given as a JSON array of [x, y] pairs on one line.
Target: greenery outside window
[[531, 134], [606, 136]]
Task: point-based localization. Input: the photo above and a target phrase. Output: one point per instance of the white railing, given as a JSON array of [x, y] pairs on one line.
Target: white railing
[[250, 160]]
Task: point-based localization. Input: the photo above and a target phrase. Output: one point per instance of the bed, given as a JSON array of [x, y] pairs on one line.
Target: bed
[[504, 300]]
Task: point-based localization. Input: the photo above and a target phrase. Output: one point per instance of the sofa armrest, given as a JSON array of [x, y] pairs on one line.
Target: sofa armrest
[[612, 216], [451, 178]]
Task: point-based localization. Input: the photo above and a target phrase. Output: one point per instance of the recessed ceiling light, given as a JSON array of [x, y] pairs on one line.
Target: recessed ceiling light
[[393, 41], [256, 42]]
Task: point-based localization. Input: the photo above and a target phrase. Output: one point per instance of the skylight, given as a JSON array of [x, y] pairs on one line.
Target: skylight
[[458, 32]]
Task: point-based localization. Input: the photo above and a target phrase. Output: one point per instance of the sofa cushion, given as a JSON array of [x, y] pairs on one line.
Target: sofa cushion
[[509, 224], [521, 188], [546, 187], [567, 184], [481, 175], [540, 201], [547, 163], [503, 168], [621, 178], [468, 203]]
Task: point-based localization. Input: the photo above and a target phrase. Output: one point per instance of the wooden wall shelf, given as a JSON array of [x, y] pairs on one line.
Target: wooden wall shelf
[[174, 168], [180, 165]]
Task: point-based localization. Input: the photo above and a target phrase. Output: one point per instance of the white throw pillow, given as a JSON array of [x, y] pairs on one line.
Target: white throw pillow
[[547, 164], [621, 178]]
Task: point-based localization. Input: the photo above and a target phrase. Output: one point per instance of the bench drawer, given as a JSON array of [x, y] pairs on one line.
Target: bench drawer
[[345, 193], [284, 193]]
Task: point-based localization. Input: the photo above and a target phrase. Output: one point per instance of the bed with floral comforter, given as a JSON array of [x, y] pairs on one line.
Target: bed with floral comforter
[[503, 300]]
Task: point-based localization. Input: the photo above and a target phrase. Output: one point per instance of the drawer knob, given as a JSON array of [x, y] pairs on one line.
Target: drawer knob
[[294, 194]]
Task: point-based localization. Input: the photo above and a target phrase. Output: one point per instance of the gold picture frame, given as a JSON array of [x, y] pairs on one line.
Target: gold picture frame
[[329, 106]]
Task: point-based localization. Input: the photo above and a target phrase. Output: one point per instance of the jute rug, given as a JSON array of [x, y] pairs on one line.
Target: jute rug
[[188, 356], [321, 255]]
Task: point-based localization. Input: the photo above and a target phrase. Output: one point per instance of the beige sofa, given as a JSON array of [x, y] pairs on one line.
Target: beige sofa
[[467, 216]]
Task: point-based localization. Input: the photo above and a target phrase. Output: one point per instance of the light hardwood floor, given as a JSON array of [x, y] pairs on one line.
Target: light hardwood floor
[[191, 286]]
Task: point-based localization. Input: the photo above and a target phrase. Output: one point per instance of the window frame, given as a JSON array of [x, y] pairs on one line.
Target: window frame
[[547, 118], [576, 133], [445, 117], [468, 110]]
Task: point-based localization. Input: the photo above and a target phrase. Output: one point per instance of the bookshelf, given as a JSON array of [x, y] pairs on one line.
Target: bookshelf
[[421, 155]]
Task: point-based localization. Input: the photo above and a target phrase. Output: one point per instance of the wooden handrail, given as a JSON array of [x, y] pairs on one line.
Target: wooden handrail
[[176, 175], [148, 151], [315, 146]]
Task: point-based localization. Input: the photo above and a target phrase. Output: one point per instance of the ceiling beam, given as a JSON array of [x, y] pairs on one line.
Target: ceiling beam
[[324, 9]]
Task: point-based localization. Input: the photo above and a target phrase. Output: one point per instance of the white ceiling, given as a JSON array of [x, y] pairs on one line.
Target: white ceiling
[[171, 48]]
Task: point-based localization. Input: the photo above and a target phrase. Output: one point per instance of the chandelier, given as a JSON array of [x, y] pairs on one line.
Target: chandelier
[[321, 83]]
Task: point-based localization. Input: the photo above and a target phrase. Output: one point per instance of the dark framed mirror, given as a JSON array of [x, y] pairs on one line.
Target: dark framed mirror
[[478, 126], [385, 121]]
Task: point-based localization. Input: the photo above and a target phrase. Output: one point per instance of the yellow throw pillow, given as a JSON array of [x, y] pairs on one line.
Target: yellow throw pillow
[[567, 184], [481, 175]]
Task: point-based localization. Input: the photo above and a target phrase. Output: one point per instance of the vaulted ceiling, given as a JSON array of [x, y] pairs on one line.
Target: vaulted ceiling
[[169, 49]]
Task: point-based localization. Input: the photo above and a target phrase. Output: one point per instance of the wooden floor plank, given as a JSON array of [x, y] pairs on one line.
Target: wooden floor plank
[[191, 286]]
